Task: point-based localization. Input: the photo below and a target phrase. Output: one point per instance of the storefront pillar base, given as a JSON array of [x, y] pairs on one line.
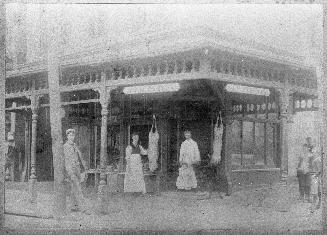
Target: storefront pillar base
[[284, 200], [32, 190], [59, 207], [102, 198]]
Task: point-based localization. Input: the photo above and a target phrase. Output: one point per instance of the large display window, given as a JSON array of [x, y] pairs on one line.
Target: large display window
[[254, 132]]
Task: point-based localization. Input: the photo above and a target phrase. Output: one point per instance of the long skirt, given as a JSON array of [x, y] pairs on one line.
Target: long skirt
[[134, 179], [186, 178]]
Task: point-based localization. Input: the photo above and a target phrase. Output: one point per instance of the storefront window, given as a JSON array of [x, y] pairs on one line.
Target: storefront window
[[259, 156], [272, 154], [247, 144], [255, 133], [236, 142]]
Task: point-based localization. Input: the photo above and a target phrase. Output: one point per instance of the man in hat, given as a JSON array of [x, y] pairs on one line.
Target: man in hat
[[73, 163]]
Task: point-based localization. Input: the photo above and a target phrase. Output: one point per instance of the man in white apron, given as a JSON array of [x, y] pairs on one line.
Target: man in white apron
[[189, 155]]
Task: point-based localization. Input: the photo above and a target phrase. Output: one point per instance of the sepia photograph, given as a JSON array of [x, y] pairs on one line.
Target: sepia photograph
[[163, 117]]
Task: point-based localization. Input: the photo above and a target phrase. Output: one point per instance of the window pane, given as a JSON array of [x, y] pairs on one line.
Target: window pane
[[272, 154], [259, 144], [248, 142], [235, 143]]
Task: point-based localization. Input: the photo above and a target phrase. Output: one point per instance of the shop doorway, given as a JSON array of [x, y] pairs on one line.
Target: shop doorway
[[196, 117]]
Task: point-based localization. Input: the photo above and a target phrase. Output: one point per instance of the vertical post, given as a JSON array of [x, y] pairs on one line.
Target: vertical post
[[284, 104], [163, 130], [32, 179], [226, 153], [10, 174], [103, 148], [56, 111], [122, 135], [284, 117], [13, 119], [323, 97], [2, 107], [27, 150], [104, 100]]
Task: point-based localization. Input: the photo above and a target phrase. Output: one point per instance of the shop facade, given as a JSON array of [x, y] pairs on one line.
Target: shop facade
[[255, 88]]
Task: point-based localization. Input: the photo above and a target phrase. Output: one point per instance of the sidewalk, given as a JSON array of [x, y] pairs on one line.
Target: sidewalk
[[251, 210]]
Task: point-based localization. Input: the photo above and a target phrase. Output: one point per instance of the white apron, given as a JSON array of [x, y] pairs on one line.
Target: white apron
[[189, 155], [186, 178], [134, 179]]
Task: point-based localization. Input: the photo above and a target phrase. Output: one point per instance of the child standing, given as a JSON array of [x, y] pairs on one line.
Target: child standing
[[316, 183], [304, 170]]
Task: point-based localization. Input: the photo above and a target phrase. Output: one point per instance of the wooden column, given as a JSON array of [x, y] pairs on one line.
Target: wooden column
[[27, 150], [2, 107], [323, 97], [162, 124], [284, 102], [13, 119], [122, 135], [10, 174], [53, 33], [32, 179], [104, 100], [226, 161]]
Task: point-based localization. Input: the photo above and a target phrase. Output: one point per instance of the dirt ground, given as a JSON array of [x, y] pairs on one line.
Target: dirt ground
[[263, 210]]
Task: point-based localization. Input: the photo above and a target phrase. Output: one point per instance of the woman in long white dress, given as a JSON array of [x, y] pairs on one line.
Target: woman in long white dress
[[134, 178]]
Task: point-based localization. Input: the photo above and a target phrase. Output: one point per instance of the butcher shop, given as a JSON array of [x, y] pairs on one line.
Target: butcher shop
[[236, 99]]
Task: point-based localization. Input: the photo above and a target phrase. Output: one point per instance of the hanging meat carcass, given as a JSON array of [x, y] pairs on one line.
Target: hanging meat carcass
[[217, 141], [153, 146]]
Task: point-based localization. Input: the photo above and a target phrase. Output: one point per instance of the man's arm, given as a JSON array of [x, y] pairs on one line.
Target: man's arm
[[143, 151], [128, 152], [196, 153], [182, 153]]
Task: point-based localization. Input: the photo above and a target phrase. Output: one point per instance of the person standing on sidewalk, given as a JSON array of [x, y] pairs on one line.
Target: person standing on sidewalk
[[189, 155], [316, 183], [304, 170], [73, 164], [134, 179]]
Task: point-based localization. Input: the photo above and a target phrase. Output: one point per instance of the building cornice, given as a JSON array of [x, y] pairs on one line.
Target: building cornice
[[151, 44]]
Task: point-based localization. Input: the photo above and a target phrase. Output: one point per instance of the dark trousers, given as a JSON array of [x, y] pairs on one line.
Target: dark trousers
[[304, 184]]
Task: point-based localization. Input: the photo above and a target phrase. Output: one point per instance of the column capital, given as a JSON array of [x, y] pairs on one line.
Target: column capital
[[35, 102], [104, 93], [285, 96], [62, 112]]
